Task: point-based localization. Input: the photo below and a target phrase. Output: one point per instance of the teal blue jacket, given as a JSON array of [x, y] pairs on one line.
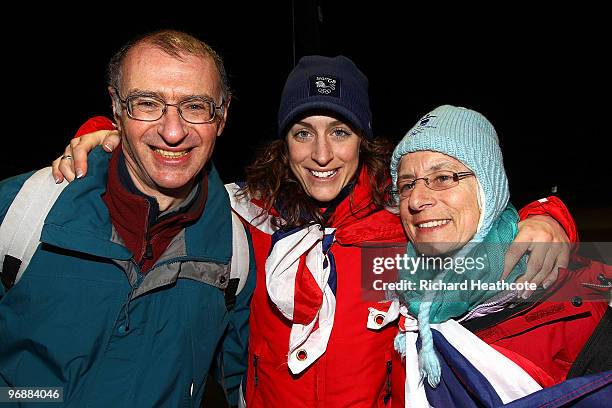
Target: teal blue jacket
[[84, 318]]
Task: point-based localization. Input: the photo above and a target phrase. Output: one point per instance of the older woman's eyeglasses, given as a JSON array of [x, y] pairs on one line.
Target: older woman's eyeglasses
[[438, 180], [151, 108]]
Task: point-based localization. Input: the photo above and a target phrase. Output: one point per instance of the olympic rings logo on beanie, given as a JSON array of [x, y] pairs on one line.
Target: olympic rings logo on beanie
[[325, 84]]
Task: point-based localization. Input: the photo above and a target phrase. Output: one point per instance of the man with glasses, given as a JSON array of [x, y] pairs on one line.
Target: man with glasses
[[125, 302]]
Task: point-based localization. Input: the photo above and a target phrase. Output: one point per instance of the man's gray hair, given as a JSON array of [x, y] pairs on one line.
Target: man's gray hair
[[173, 43]]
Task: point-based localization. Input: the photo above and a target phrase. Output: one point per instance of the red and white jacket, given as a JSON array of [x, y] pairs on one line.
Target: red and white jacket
[[354, 369]]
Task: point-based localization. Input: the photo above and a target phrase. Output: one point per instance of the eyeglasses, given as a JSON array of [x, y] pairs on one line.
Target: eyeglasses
[[151, 108], [438, 180]]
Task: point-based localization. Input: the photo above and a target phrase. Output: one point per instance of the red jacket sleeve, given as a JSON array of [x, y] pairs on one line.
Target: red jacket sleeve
[[553, 207], [94, 124]]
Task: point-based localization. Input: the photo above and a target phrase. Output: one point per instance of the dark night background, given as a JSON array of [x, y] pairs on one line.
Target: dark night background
[[538, 75]]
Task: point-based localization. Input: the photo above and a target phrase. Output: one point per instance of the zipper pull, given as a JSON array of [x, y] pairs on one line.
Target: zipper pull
[[256, 376], [148, 251], [388, 393]]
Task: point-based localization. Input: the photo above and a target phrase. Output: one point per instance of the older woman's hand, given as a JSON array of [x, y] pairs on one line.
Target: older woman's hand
[[74, 160], [544, 260]]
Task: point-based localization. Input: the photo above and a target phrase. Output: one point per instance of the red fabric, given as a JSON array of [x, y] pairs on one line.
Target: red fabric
[[308, 296], [94, 124], [552, 332], [130, 216], [398, 380], [536, 372], [553, 207], [353, 370]]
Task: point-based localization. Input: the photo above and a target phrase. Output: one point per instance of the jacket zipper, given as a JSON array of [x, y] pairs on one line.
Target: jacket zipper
[[148, 253], [256, 375], [134, 287], [388, 392], [605, 282], [502, 300]]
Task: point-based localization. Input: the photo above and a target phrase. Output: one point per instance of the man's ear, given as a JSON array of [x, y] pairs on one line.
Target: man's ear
[[116, 106], [223, 117]]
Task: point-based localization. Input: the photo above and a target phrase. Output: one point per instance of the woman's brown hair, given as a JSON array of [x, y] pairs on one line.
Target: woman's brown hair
[[271, 180]]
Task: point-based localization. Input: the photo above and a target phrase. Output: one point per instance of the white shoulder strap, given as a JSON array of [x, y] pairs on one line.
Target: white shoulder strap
[[241, 399], [251, 213], [240, 252], [20, 231]]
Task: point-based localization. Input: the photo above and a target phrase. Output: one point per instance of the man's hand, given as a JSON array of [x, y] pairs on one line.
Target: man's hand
[[73, 163], [544, 260]]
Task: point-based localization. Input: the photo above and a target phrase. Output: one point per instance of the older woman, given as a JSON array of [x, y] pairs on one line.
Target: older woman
[[453, 200]]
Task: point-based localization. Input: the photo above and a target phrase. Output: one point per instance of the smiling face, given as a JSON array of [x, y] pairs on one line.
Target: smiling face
[[438, 222], [163, 157], [323, 155]]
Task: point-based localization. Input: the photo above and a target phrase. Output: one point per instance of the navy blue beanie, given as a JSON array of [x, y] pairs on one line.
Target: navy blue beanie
[[326, 84]]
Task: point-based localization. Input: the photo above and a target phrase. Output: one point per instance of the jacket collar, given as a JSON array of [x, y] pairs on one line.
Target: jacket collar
[[80, 220], [357, 220], [136, 216]]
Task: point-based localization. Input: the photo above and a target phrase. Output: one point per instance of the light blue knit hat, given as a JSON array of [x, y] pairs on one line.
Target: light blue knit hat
[[470, 138]]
